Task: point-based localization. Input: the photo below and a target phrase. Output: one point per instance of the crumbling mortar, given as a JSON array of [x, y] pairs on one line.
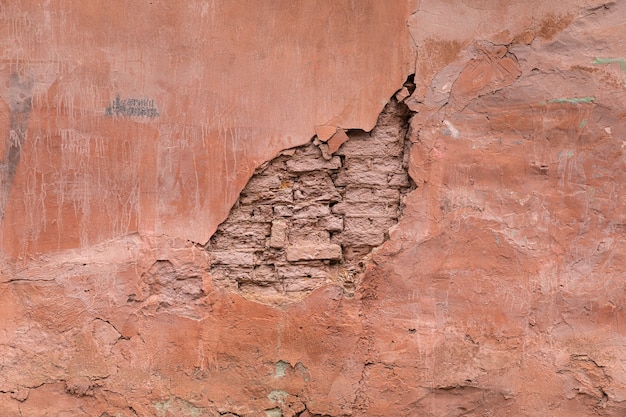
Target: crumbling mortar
[[309, 218]]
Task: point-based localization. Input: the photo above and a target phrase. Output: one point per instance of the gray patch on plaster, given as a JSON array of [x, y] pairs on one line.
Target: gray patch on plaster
[[274, 412], [451, 130], [278, 396], [281, 369]]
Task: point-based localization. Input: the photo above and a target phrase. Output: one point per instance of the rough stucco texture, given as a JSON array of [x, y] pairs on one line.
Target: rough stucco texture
[[495, 288]]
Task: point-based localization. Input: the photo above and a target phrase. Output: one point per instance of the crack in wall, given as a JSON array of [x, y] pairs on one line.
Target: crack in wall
[[309, 218]]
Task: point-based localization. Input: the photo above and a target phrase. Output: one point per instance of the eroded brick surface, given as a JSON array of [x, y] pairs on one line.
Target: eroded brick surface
[[309, 217]]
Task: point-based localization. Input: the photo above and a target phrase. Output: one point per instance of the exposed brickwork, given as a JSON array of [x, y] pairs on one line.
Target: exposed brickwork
[[307, 217]]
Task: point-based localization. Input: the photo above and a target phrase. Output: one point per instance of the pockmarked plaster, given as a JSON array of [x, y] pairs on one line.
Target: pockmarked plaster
[[494, 287]]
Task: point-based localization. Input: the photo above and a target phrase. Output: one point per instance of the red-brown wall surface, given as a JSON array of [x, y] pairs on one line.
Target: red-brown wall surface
[[129, 129]]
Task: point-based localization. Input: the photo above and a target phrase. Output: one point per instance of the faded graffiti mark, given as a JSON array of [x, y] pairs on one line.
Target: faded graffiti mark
[[606, 61], [132, 107], [20, 107]]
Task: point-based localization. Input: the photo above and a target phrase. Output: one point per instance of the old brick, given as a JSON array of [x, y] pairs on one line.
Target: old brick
[[365, 179], [238, 273], [316, 270], [262, 183], [312, 211], [262, 214], [272, 256], [240, 235], [283, 211], [308, 235], [231, 257], [362, 195], [313, 164], [317, 187], [363, 231], [307, 151], [331, 223], [264, 273], [356, 252], [370, 148], [383, 209], [281, 196], [400, 180], [313, 251], [365, 164], [278, 237], [389, 134], [307, 231]]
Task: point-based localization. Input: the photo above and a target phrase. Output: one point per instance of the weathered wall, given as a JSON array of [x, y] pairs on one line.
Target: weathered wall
[[208, 90], [131, 128]]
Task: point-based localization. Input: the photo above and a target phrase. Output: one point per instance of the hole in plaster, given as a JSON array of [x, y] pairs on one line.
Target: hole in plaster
[[306, 219]]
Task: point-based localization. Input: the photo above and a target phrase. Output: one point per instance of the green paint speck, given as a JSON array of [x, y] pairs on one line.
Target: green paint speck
[[582, 124], [573, 100], [620, 61], [603, 61]]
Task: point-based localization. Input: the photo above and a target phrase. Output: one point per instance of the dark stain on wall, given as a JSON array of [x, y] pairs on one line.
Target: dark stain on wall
[[132, 107], [20, 107]]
